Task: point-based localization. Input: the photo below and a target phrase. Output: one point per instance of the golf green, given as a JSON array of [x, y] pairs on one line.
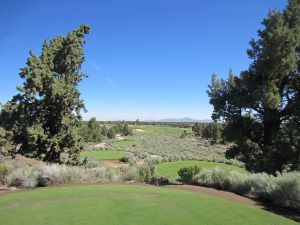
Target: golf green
[[104, 154], [170, 169]]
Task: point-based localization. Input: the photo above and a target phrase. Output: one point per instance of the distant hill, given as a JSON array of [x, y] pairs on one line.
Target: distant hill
[[182, 120]]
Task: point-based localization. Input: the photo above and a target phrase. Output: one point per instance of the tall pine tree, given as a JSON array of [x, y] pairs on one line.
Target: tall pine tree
[[44, 115], [262, 106]]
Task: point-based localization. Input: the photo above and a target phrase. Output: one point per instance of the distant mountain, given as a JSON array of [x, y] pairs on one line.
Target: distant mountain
[[182, 120]]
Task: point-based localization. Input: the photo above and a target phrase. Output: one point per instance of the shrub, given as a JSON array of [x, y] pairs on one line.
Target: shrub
[[23, 177], [187, 174], [129, 158], [4, 170], [128, 173], [159, 181], [282, 189], [92, 163], [286, 191], [146, 172]]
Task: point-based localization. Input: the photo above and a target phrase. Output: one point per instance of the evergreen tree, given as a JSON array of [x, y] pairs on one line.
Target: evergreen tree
[[45, 114], [104, 130], [111, 133], [126, 130], [262, 106], [91, 131]]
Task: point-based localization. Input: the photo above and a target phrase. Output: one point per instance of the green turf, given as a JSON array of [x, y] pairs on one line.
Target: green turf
[[126, 204], [162, 130], [125, 143], [170, 169], [104, 154]]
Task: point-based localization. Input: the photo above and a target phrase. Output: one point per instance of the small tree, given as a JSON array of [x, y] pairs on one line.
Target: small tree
[[184, 134], [187, 174], [104, 131], [111, 133], [91, 131], [126, 130]]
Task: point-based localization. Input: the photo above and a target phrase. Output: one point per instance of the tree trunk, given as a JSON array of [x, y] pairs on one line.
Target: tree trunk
[[271, 127]]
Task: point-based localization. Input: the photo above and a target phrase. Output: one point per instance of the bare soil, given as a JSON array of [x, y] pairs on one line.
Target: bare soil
[[120, 137]]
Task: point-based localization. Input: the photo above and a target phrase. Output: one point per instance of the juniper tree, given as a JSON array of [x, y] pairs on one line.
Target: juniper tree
[[44, 115], [261, 106]]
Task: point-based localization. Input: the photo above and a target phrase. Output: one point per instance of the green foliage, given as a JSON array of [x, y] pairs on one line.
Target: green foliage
[[118, 128], [91, 131], [187, 174], [211, 131], [4, 171], [104, 131], [146, 172], [44, 116], [261, 105], [126, 130], [111, 133], [184, 134], [6, 144]]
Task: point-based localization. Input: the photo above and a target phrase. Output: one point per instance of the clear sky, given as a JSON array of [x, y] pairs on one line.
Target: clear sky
[[146, 59]]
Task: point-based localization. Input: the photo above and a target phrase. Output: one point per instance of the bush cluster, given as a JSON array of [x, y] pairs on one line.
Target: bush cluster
[[283, 189], [187, 174], [55, 174]]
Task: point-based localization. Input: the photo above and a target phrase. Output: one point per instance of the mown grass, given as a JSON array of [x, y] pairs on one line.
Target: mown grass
[[162, 130], [104, 154], [170, 169], [127, 204]]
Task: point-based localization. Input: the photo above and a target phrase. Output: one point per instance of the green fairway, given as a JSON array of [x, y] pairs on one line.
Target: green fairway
[[161, 130], [104, 155], [126, 204], [170, 169]]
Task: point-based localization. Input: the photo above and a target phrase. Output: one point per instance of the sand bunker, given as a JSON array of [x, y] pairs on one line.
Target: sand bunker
[[139, 130]]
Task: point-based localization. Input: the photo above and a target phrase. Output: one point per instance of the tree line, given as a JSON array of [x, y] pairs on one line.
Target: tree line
[[213, 131], [95, 131]]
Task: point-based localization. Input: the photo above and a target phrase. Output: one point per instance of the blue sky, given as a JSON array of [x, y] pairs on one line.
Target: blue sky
[[147, 59]]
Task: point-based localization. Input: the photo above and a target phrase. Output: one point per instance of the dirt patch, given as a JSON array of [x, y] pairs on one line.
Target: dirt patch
[[116, 162], [22, 160], [140, 162], [100, 145], [120, 137], [113, 163]]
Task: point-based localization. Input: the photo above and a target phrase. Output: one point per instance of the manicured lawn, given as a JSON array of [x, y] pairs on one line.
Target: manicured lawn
[[126, 204], [170, 169], [162, 130], [104, 155], [125, 143]]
